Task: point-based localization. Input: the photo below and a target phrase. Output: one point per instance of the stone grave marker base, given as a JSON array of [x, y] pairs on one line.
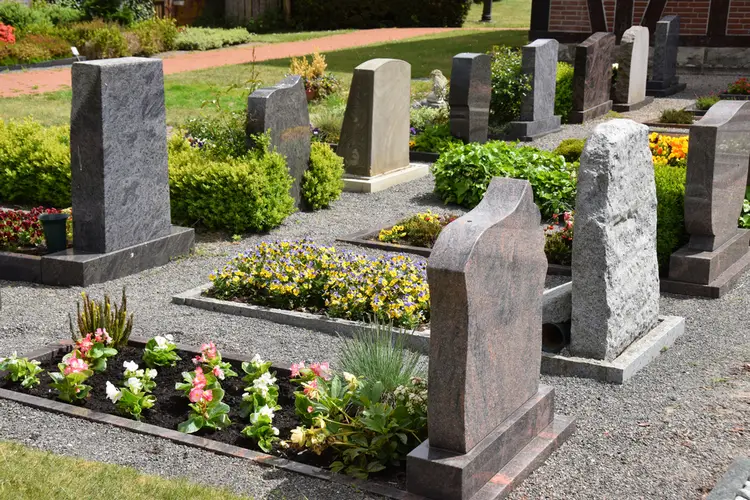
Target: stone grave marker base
[[591, 113], [359, 184], [659, 89], [528, 131], [624, 108], [499, 462]]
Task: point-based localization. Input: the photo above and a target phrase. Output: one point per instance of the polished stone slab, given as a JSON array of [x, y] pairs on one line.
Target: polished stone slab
[[664, 81], [470, 94], [624, 108], [20, 267], [592, 78], [632, 72]]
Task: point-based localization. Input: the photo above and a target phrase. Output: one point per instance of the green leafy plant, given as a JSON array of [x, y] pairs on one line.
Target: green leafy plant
[[104, 315], [323, 182], [21, 369], [94, 348], [434, 139], [134, 395], [670, 218], [509, 85], [421, 230], [192, 38], [463, 173], [259, 402], [679, 116], [564, 91], [558, 241], [205, 395], [705, 102], [375, 353], [160, 351], [745, 216], [221, 135], [571, 149], [423, 117], [153, 36], [69, 381]]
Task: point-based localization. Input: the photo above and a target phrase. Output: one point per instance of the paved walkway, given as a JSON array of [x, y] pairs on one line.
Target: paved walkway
[[39, 81]]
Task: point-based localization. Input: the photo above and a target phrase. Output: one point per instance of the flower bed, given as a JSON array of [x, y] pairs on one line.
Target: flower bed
[[739, 90], [21, 230]]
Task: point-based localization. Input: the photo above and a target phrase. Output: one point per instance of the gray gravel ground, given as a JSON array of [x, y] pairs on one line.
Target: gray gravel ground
[[669, 434]]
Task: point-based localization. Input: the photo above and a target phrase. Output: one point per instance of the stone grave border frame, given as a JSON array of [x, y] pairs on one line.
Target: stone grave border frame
[[732, 481], [734, 97], [51, 63], [54, 406]]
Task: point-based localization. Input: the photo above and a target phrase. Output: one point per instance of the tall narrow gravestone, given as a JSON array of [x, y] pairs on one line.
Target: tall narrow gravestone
[[486, 404], [283, 109], [471, 91], [592, 78], [615, 268], [717, 174], [119, 174], [632, 70], [375, 134], [664, 81], [538, 108]]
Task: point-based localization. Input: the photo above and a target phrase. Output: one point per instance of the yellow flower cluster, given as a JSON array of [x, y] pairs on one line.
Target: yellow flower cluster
[[393, 234], [668, 150], [300, 275]]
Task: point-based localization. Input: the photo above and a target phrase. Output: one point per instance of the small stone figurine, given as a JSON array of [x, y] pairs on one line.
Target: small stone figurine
[[437, 98]]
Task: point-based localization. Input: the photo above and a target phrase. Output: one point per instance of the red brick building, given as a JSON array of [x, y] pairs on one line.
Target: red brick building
[[704, 23]]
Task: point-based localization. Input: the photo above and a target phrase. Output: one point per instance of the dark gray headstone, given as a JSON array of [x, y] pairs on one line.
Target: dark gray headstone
[[283, 109], [592, 80], [471, 91], [118, 146], [664, 80], [632, 71], [481, 331], [717, 176], [538, 107], [615, 268], [375, 133]]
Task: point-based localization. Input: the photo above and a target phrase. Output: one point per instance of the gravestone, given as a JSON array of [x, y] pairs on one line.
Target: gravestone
[[538, 107], [717, 174], [283, 109], [471, 91], [632, 70], [664, 81], [592, 78], [615, 268], [485, 402], [119, 175], [375, 133]]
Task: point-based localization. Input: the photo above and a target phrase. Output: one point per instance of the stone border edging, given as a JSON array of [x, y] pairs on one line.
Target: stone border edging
[[735, 97], [733, 480], [52, 350], [44, 64]]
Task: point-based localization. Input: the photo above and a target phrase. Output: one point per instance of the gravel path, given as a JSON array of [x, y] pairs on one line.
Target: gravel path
[[669, 434]]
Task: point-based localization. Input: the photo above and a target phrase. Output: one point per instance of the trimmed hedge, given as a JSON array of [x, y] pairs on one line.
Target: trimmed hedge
[[564, 91], [670, 211], [323, 182], [341, 14]]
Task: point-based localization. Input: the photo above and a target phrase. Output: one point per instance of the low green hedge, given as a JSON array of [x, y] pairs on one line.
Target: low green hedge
[[323, 182], [564, 91], [210, 38], [670, 211]]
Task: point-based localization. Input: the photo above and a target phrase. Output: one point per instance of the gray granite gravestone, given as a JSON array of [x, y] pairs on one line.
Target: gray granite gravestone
[[592, 78], [538, 107], [375, 133], [615, 268], [283, 109], [485, 402], [119, 175], [632, 71], [471, 91], [717, 174], [664, 81]]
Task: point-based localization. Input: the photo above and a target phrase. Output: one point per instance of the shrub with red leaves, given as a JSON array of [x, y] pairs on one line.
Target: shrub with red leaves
[[6, 34]]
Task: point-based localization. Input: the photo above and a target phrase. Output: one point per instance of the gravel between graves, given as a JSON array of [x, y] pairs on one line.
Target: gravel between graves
[[669, 434]]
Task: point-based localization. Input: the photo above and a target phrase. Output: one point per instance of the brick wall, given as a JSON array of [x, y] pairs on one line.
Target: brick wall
[[739, 18], [609, 12], [693, 15], [569, 15], [639, 8]]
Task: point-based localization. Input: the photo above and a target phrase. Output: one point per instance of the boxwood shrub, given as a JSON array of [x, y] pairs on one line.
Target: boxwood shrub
[[322, 183], [564, 91], [670, 212]]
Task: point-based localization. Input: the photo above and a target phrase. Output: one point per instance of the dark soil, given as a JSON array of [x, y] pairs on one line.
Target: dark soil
[[172, 406]]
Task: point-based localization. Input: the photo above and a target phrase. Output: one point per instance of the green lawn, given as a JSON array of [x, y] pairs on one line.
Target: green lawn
[[190, 94], [505, 14], [27, 474]]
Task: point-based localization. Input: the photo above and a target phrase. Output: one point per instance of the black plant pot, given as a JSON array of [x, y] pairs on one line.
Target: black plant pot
[[55, 231]]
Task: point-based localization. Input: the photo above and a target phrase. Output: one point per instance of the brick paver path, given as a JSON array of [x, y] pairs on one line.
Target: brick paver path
[[38, 81]]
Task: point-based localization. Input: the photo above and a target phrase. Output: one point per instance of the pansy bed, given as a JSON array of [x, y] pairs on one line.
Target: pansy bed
[[243, 406]]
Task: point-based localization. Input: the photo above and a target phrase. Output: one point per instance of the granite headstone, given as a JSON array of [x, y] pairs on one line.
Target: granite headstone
[[664, 81], [118, 153], [471, 91], [375, 133], [615, 268], [592, 78], [538, 118], [283, 109], [632, 70], [717, 176]]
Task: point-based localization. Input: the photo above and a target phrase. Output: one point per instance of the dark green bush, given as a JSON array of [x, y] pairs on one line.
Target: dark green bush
[[564, 91], [34, 164], [323, 182], [676, 116], [340, 14], [435, 139], [571, 149], [463, 173], [670, 218], [248, 193], [121, 11], [21, 16], [509, 85]]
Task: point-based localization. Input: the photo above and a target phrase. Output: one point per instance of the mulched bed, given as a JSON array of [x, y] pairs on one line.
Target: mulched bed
[[172, 406]]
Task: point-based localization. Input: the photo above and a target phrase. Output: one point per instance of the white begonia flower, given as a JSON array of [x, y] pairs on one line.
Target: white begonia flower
[[151, 373], [113, 394], [256, 360], [169, 337], [264, 411], [161, 342], [275, 431], [130, 366], [268, 379], [140, 373], [134, 384]]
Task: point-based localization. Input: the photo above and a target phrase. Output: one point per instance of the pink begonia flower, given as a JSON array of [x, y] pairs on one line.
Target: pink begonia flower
[[102, 336], [196, 394], [309, 409], [85, 344], [218, 372], [209, 351], [321, 370], [75, 365], [197, 360], [311, 388], [199, 380], [208, 395], [296, 367]]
